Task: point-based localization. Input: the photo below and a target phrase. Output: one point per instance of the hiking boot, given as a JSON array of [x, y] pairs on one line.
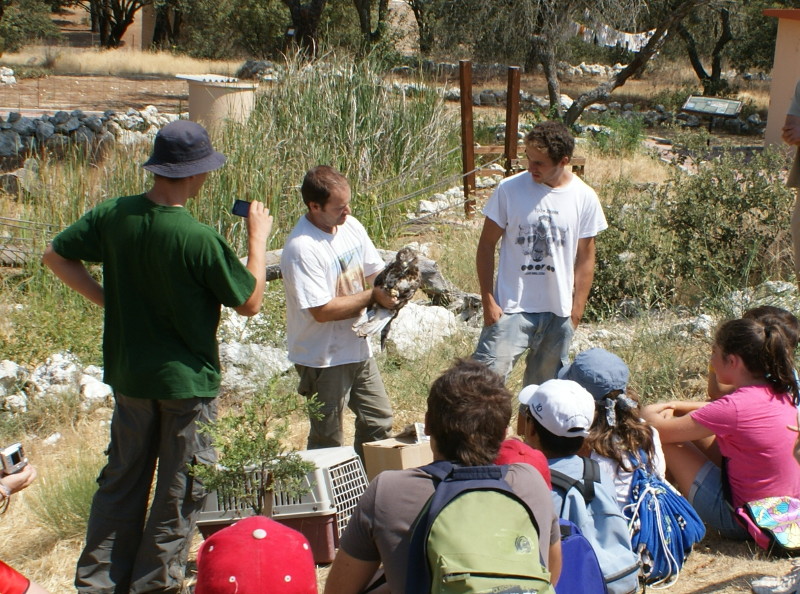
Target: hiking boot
[[787, 584]]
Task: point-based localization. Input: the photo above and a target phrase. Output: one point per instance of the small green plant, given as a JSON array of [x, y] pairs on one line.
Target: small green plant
[[62, 501], [252, 457], [622, 136]]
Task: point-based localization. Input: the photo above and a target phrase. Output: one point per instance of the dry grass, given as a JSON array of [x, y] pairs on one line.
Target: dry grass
[[121, 62]]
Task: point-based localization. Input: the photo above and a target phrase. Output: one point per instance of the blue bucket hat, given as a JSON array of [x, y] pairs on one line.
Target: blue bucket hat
[[598, 371], [181, 149]]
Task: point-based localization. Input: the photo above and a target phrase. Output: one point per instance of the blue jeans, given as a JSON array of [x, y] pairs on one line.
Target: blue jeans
[[545, 336], [707, 498]]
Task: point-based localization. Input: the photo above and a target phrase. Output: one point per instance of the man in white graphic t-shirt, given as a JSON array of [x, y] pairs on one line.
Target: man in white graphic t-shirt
[[546, 220], [327, 264]]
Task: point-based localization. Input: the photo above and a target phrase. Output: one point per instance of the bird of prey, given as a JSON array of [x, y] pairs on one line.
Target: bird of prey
[[401, 279]]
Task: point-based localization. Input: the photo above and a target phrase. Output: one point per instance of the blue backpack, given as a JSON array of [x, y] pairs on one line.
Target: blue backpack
[[663, 527], [595, 511], [475, 535], [580, 569]]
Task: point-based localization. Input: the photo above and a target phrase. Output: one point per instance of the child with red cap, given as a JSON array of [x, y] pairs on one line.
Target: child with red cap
[[253, 556]]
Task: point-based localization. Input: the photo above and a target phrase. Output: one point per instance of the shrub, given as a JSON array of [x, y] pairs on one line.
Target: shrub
[[61, 503], [253, 458], [623, 138], [696, 237], [24, 22]]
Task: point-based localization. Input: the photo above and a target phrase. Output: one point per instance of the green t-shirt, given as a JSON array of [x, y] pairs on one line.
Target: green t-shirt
[[164, 277]]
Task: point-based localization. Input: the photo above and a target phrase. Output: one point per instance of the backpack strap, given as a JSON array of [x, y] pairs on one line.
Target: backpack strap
[[584, 485], [445, 474]]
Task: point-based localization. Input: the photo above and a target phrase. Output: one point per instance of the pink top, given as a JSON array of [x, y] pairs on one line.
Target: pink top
[[750, 425]]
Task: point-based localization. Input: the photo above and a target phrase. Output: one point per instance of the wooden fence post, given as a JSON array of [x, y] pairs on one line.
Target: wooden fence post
[[467, 136], [512, 118]]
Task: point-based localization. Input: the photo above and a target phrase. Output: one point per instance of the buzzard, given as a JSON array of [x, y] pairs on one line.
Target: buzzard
[[401, 279]]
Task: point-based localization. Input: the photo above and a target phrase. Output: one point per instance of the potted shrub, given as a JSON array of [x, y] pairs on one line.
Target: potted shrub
[[253, 459]]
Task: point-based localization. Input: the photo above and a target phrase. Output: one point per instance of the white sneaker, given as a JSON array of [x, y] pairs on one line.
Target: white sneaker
[[787, 584]]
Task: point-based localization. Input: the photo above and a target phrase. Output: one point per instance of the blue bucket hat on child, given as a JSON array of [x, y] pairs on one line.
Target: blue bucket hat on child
[[181, 149], [600, 373]]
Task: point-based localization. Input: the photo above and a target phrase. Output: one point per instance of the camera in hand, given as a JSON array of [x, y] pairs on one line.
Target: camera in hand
[[13, 459], [241, 208]]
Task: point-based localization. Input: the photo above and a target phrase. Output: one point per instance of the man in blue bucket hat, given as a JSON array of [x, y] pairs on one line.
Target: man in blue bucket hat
[[165, 278]]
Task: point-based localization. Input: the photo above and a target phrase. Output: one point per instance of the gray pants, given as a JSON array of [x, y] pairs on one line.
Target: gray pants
[[123, 553], [357, 385]]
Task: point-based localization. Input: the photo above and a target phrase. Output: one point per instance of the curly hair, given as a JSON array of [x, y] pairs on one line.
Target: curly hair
[[469, 409], [554, 138]]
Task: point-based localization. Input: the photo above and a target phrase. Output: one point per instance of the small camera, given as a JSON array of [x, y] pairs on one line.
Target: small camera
[[13, 458]]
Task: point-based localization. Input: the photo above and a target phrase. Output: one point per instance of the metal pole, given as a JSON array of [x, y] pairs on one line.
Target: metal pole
[[467, 135]]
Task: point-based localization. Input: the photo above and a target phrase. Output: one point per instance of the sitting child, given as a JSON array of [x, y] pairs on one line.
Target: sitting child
[[619, 440], [790, 325], [750, 426], [254, 555], [558, 415]]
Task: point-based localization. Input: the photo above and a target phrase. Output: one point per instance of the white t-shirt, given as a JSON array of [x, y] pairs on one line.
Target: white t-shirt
[[542, 226], [622, 478], [316, 267]]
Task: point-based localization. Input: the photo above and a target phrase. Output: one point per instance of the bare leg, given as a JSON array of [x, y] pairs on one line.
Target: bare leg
[[684, 461]]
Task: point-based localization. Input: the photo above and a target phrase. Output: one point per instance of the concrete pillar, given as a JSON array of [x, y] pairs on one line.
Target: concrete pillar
[[785, 71], [214, 99]]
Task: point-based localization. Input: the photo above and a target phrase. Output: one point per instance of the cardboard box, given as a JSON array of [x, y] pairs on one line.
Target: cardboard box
[[395, 454]]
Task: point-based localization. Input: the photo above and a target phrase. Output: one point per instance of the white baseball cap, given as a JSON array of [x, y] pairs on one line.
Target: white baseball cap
[[562, 407]]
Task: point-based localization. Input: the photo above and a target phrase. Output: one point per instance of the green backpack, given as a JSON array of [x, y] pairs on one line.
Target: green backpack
[[475, 535]]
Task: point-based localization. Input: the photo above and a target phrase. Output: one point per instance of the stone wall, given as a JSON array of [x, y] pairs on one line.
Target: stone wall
[[22, 136]]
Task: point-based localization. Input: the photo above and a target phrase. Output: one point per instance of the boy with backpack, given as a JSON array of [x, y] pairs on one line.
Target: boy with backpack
[[507, 518], [558, 415]]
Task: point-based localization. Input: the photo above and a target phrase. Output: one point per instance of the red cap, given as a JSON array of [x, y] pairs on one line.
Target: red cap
[[514, 451], [253, 556]]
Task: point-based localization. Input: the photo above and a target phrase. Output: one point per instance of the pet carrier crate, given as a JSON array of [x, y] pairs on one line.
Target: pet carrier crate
[[321, 514]]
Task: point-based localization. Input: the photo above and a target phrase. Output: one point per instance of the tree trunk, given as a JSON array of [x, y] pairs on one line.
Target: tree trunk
[[605, 89], [167, 26], [305, 20], [420, 10], [543, 50], [712, 83]]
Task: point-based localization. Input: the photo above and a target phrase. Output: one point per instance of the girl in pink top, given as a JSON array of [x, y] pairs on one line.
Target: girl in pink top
[[749, 426]]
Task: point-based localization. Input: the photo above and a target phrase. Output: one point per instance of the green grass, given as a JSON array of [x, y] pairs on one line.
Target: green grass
[[62, 500]]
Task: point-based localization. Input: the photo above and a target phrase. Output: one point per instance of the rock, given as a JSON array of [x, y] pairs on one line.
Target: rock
[[52, 439], [247, 367], [94, 392], [24, 126], [255, 69], [44, 130], [57, 144], [14, 117], [10, 143], [418, 329], [94, 123], [59, 374], [70, 125], [16, 403], [487, 98], [60, 117], [12, 377]]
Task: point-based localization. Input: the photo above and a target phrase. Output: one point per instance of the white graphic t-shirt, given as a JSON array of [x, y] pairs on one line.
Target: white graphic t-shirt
[[316, 267], [542, 226]]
